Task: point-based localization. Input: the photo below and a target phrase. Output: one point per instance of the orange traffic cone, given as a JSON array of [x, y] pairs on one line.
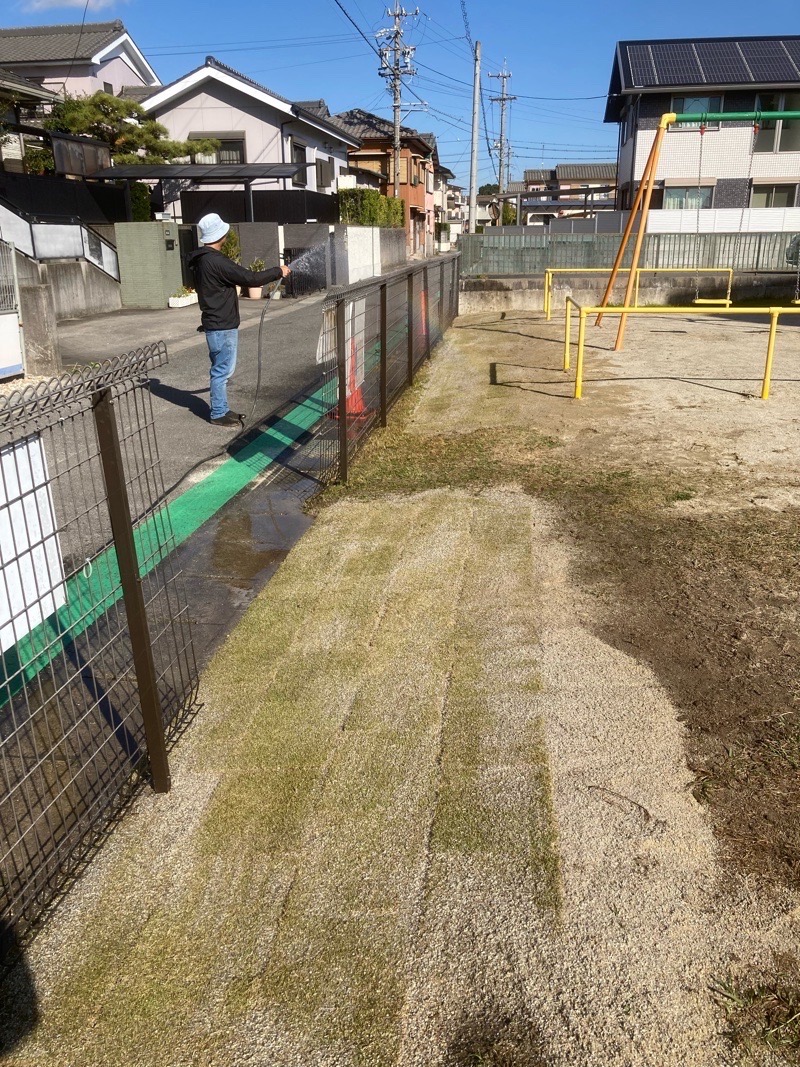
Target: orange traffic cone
[[354, 402], [355, 398]]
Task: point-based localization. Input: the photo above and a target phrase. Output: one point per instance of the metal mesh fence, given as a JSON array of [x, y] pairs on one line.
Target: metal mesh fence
[[519, 254], [375, 336], [72, 732]]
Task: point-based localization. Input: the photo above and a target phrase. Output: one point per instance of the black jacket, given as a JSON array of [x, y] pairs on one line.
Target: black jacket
[[217, 279]]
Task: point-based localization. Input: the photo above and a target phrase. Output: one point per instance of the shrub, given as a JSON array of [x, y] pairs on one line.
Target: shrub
[[367, 207], [140, 202], [231, 247]]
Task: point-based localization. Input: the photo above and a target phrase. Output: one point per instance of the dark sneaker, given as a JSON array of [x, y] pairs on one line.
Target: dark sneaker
[[230, 418]]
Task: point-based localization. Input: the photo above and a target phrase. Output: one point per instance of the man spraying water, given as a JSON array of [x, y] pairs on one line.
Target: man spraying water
[[217, 280]]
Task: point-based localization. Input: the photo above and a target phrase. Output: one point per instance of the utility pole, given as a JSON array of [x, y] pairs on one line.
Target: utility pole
[[395, 63], [473, 159], [503, 99]]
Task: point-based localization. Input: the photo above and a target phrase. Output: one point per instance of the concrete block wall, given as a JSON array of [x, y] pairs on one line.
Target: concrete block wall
[[150, 271], [78, 288], [39, 327]]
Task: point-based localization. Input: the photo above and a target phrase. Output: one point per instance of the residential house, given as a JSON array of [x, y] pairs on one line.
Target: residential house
[[568, 189], [18, 98], [254, 125], [441, 221], [457, 210], [418, 157], [730, 165], [76, 59]]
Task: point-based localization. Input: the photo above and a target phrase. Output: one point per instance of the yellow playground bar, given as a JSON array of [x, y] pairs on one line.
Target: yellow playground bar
[[773, 313]]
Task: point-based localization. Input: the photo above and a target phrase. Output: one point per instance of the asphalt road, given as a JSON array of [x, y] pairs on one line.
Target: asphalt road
[[180, 389]]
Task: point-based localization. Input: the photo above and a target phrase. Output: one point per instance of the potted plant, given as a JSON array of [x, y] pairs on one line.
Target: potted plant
[[254, 292], [182, 298]]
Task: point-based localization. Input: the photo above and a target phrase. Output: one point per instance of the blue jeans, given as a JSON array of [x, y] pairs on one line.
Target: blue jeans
[[222, 348]]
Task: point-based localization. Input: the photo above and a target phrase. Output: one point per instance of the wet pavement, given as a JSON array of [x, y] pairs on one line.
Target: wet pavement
[[232, 556]]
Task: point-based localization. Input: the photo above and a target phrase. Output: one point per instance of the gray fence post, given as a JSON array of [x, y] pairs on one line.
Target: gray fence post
[[122, 530]]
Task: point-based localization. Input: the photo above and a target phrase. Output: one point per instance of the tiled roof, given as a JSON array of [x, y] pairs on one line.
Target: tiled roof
[[515, 187], [369, 127], [586, 171], [41, 44], [539, 175], [139, 92], [572, 172], [695, 62]]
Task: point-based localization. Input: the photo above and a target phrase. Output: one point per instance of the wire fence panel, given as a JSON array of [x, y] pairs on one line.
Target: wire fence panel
[[72, 733], [515, 254], [375, 336]]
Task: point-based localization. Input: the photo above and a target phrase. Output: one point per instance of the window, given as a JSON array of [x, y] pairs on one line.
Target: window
[[685, 197], [229, 151], [781, 135], [299, 156], [773, 196], [108, 88], [403, 170], [693, 105]]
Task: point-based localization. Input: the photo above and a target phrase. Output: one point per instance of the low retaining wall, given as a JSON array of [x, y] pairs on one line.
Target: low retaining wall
[[518, 293]]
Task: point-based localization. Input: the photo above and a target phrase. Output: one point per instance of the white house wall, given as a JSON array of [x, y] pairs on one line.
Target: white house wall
[[726, 154], [84, 80]]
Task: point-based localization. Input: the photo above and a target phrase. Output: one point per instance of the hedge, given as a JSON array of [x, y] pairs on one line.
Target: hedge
[[367, 207]]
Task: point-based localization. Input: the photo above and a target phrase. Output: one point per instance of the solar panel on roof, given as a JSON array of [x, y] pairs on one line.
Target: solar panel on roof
[[768, 61], [676, 63], [642, 70], [722, 62], [793, 48]]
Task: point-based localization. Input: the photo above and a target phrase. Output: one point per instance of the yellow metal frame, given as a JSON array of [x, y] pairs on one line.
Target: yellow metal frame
[[550, 271], [774, 314]]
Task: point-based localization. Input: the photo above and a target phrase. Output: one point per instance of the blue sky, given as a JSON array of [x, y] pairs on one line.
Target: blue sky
[[311, 50]]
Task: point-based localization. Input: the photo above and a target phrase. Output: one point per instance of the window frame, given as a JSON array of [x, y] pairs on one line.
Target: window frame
[[684, 127], [671, 189], [775, 126], [301, 178], [205, 158], [772, 186]]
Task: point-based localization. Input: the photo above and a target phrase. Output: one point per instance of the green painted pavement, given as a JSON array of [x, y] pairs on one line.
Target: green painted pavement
[[97, 588]]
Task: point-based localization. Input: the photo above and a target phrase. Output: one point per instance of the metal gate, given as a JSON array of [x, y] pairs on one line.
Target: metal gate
[[12, 343]]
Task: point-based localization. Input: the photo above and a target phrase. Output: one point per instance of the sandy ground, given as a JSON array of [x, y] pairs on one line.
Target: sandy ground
[[428, 815]]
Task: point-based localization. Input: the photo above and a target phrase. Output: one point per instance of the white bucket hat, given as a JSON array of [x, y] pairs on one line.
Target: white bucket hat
[[212, 229]]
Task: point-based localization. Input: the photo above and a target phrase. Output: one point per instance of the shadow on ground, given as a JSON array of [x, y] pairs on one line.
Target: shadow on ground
[[19, 1008]]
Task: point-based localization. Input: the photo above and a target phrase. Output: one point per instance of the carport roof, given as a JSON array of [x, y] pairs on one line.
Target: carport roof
[[204, 172]]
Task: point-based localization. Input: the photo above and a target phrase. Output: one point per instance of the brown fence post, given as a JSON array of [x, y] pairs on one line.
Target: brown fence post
[[427, 314], [122, 530], [341, 365], [384, 353], [410, 301]]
